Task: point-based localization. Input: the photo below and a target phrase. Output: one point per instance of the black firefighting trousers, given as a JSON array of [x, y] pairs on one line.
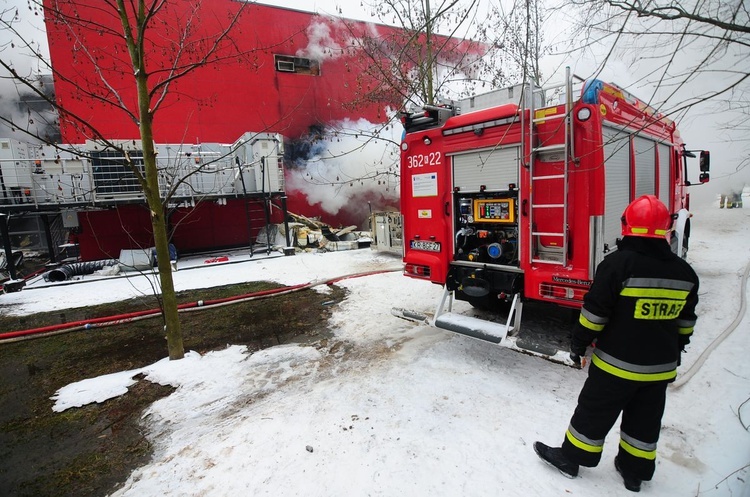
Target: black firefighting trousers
[[602, 399]]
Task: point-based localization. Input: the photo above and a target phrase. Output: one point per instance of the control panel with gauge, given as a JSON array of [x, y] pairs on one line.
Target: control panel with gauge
[[486, 229]]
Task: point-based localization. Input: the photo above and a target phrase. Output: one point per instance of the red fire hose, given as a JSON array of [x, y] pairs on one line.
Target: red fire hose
[[101, 322]]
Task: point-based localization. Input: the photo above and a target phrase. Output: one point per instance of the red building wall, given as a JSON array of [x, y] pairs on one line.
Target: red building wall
[[102, 234], [242, 92]]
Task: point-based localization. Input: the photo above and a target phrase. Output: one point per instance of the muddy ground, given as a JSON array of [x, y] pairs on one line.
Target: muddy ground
[[90, 451]]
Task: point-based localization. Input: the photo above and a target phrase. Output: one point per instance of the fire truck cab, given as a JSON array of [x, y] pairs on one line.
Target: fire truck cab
[[522, 200]]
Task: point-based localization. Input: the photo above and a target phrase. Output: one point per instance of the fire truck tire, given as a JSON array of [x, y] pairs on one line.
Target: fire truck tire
[[685, 245], [685, 242]]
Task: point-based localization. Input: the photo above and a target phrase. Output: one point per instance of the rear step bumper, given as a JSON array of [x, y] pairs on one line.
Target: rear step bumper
[[498, 334], [473, 327], [505, 335]]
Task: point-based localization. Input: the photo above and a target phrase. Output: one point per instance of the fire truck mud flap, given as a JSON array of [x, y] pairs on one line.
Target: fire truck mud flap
[[539, 349], [413, 316]]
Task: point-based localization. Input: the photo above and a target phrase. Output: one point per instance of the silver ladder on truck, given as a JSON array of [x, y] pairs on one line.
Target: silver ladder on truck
[[553, 253]]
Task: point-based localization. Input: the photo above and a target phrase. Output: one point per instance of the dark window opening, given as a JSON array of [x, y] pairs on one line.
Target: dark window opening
[[297, 65]]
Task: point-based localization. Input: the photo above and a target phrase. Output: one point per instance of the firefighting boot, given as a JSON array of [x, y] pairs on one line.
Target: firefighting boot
[[631, 483], [554, 457]]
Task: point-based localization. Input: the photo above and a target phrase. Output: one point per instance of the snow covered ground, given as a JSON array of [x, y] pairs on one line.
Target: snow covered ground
[[388, 407]]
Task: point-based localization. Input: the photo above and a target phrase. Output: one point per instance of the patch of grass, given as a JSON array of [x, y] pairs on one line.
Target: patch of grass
[[89, 451], [38, 320]]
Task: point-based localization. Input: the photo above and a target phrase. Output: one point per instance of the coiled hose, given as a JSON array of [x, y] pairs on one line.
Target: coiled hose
[[64, 272]]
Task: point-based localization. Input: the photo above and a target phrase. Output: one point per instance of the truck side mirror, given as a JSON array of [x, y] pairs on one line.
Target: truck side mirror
[[703, 178], [705, 163]]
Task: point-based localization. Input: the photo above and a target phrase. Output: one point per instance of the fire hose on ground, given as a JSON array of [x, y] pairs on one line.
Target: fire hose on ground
[[685, 377], [88, 324]]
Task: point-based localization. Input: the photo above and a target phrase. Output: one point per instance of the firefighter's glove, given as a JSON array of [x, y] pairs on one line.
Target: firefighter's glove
[[684, 341], [576, 359], [578, 346], [578, 354]]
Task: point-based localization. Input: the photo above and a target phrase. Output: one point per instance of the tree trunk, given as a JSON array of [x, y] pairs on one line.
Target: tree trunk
[[161, 242], [169, 297], [158, 222]]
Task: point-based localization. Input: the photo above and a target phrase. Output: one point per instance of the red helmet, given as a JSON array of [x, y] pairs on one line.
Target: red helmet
[[646, 216]]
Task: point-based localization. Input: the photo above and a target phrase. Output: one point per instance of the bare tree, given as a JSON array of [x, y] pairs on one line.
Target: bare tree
[[440, 49], [521, 37], [696, 52], [134, 31]]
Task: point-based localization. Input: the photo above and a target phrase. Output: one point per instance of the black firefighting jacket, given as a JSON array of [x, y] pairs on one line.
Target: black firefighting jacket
[[640, 311]]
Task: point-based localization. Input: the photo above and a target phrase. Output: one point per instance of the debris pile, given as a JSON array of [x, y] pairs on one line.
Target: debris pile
[[307, 234]]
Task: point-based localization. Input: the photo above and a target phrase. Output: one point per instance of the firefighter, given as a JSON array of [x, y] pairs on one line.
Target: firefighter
[[640, 312]]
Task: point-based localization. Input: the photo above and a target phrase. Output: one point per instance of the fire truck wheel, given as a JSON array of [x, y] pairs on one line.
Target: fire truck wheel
[[685, 246]]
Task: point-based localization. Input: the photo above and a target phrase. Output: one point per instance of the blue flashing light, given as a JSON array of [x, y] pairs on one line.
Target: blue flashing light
[[591, 90]]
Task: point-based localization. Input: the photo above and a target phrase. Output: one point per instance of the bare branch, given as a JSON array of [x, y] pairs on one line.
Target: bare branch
[[675, 11]]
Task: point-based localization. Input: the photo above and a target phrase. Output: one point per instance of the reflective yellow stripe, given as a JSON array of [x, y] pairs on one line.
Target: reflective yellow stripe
[[629, 375], [644, 231], [583, 445], [658, 293], [685, 331], [588, 324], [643, 454]]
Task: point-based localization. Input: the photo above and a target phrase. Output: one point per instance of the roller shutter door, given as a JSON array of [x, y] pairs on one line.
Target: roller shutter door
[[645, 166], [665, 186], [616, 182], [495, 169]]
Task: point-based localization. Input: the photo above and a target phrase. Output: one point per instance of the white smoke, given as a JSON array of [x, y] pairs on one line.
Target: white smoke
[[353, 169], [322, 36], [320, 43], [23, 45], [9, 98], [33, 119]]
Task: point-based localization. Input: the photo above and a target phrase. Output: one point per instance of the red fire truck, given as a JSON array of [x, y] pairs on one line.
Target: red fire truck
[[521, 201]]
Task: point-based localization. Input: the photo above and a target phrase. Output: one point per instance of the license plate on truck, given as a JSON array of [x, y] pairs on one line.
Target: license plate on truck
[[425, 245]]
